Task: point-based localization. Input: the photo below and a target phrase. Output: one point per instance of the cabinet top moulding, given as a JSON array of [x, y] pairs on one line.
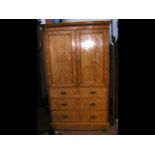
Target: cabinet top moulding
[[77, 24]]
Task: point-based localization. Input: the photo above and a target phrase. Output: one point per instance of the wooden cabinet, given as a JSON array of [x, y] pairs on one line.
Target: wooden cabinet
[[77, 68]]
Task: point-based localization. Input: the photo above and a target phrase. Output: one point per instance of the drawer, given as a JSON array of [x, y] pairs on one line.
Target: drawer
[[93, 104], [64, 104], [92, 92], [64, 92], [65, 116], [93, 116]]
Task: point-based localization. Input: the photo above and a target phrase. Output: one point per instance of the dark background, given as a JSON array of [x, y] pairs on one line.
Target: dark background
[[18, 111], [136, 77]]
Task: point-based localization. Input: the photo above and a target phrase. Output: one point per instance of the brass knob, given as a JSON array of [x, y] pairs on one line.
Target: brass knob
[[64, 104], [92, 116], [63, 93], [92, 104], [92, 92], [65, 116]]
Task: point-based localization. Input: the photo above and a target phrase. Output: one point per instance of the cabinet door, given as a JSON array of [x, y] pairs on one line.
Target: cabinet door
[[60, 58], [93, 55]]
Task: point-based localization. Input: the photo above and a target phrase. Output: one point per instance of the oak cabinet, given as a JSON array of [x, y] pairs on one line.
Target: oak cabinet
[[77, 68]]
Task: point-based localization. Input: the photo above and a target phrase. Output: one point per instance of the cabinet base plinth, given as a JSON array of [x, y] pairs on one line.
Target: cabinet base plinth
[[79, 132], [80, 129]]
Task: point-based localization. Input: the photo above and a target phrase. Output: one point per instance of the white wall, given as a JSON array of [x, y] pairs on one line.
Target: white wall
[[78, 20], [115, 28]]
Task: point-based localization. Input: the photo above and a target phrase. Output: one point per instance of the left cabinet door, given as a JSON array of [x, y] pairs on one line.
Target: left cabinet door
[[60, 55]]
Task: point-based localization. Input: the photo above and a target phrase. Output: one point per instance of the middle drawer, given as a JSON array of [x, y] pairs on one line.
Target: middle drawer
[[75, 104], [64, 104]]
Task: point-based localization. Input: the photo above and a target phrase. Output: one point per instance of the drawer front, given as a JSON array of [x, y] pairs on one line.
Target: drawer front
[[65, 116], [93, 104], [64, 104], [64, 93], [93, 116], [92, 92]]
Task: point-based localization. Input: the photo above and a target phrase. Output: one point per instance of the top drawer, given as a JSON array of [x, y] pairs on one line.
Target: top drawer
[[91, 92], [64, 93]]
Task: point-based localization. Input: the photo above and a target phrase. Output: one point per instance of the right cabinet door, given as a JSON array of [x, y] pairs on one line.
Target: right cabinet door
[[93, 57]]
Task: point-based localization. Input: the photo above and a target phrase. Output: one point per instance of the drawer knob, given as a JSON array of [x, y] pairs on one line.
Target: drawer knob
[[92, 104], [64, 104], [92, 116], [65, 116], [63, 93], [92, 92]]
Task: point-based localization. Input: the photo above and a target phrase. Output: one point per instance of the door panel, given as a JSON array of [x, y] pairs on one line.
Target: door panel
[[91, 51], [61, 55]]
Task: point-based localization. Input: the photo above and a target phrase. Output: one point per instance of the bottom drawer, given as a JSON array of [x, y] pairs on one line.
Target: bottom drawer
[[82, 116], [93, 116], [65, 116]]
